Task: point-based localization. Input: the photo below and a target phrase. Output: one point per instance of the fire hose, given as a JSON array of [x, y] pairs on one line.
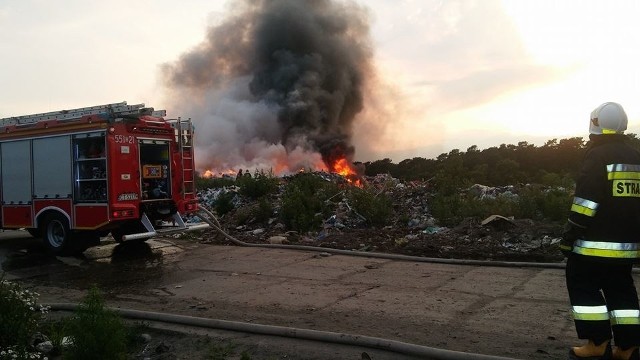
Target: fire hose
[[295, 333]]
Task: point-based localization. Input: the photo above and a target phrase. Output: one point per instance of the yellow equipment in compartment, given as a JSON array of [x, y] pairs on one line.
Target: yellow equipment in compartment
[[152, 172]]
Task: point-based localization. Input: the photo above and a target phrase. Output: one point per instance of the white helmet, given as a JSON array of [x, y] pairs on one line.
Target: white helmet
[[608, 118]]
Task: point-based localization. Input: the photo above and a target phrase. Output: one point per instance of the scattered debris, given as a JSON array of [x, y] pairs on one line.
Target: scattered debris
[[411, 228], [498, 221]]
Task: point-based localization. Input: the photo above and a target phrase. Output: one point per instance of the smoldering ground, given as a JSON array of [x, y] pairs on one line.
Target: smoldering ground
[[276, 84]]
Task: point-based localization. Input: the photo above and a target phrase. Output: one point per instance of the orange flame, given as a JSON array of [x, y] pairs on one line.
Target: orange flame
[[344, 168], [207, 174], [211, 173], [341, 166]]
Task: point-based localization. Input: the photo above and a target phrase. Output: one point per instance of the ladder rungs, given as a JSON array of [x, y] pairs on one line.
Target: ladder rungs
[[117, 109]]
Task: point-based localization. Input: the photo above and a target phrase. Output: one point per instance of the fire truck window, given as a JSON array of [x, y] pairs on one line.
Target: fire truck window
[[90, 148]]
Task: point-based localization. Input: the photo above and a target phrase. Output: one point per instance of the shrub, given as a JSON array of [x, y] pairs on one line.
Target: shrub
[[97, 332], [532, 202], [552, 204], [375, 209], [299, 209], [56, 332], [19, 320], [303, 202], [224, 203], [264, 210], [258, 185], [260, 211], [446, 208], [556, 204]]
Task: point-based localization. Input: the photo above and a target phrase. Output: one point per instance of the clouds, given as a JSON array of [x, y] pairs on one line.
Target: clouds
[[447, 70], [444, 58], [82, 53], [467, 52]]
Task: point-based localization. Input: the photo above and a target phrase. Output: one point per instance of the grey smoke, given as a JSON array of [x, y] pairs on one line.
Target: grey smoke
[[273, 80]]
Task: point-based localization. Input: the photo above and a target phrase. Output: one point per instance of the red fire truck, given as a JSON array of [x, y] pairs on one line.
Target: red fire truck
[[73, 176]]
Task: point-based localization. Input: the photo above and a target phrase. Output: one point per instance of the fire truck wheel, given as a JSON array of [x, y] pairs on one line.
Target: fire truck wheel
[[56, 233]]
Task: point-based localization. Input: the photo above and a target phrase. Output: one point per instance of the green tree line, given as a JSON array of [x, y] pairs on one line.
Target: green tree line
[[557, 162]]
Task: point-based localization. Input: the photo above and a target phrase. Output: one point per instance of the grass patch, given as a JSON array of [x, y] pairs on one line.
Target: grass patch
[[96, 332], [20, 318]]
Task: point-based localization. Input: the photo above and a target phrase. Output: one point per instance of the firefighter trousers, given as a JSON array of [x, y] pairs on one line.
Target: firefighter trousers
[[604, 301]]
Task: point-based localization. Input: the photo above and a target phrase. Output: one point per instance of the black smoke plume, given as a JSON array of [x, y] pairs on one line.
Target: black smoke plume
[[276, 80]]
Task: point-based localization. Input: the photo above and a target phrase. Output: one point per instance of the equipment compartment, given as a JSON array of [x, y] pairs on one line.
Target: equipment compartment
[[90, 164]]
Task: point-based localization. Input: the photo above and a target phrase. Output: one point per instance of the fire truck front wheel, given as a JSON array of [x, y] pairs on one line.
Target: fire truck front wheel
[[56, 234]]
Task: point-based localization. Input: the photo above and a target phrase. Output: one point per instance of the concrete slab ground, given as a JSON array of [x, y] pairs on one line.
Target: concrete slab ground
[[513, 312]]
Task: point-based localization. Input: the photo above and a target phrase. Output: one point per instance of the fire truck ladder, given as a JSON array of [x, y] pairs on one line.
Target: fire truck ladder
[[110, 111], [185, 141]]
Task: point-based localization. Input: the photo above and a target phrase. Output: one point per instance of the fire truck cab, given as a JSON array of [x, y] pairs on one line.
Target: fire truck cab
[[73, 176]]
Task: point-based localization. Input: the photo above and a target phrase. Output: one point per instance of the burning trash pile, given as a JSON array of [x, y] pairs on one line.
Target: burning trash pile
[[289, 85], [407, 227]]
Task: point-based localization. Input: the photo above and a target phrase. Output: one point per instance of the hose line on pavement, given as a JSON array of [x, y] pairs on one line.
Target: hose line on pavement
[[211, 219], [295, 333]]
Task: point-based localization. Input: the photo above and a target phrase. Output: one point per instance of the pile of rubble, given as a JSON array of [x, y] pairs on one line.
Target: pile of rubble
[[412, 229]]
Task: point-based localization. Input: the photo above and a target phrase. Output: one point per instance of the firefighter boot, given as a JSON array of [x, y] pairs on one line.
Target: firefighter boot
[[591, 351], [629, 354]]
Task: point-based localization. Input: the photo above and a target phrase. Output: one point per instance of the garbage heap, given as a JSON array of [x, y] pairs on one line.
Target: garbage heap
[[411, 228]]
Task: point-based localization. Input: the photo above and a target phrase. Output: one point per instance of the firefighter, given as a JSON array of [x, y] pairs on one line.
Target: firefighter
[[602, 241]]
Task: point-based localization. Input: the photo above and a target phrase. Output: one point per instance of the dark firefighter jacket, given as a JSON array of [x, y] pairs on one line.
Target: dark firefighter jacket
[[605, 214]]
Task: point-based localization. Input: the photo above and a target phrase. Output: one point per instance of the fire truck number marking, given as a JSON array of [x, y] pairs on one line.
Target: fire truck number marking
[[123, 139], [127, 196]]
